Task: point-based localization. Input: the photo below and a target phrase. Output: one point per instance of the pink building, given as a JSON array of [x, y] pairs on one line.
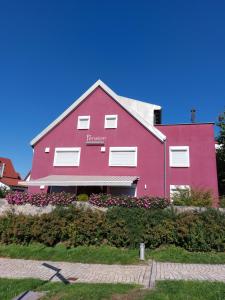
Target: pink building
[[109, 143]]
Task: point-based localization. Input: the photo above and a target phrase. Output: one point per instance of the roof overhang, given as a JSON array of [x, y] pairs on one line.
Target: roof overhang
[[120, 100], [77, 180]]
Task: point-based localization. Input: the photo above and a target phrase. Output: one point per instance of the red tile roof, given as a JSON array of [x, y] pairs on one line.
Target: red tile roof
[[10, 176]]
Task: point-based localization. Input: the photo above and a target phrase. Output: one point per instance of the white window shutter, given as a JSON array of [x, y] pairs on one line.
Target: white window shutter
[[67, 157], [83, 122], [111, 121], [179, 156], [123, 157]]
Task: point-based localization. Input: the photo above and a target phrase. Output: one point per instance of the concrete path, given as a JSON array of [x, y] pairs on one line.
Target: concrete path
[[95, 273], [145, 275], [178, 271]]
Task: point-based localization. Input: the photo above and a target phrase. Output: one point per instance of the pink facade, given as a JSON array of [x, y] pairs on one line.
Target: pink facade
[[155, 174]]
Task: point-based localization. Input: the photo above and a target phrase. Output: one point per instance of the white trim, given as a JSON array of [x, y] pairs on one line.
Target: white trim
[[111, 117], [83, 118], [111, 149], [69, 149], [116, 97], [177, 148]]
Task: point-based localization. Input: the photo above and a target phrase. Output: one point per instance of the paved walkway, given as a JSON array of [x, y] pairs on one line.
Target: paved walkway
[[19, 268], [145, 275]]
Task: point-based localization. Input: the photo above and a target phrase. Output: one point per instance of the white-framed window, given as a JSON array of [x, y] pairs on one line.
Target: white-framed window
[[179, 156], [111, 121], [123, 156], [83, 122], [177, 189], [67, 157]]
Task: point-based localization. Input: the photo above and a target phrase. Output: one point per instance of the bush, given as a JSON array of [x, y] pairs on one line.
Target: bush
[[194, 197], [120, 227], [147, 202], [40, 199], [82, 197], [3, 192], [222, 201]]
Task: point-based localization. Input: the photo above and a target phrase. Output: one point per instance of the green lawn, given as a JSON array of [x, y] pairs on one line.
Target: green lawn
[[165, 290], [180, 255], [91, 254], [108, 255], [187, 290], [10, 288]]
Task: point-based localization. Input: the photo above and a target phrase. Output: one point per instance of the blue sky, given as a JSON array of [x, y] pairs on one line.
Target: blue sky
[[170, 53]]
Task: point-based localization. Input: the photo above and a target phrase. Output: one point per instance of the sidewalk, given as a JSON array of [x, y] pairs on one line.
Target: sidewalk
[[145, 275]]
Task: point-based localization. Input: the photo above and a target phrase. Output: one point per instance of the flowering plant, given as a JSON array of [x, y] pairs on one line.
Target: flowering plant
[[147, 202], [40, 199]]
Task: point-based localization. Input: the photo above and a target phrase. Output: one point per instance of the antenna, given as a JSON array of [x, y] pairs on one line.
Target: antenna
[[193, 115]]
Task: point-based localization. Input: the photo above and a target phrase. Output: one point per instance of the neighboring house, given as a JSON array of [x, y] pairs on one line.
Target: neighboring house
[[109, 143], [8, 176]]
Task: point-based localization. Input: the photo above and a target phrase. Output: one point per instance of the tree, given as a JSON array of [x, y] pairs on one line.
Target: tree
[[220, 154]]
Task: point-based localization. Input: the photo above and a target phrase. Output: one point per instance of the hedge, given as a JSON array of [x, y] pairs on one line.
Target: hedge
[[101, 200], [147, 202], [120, 227]]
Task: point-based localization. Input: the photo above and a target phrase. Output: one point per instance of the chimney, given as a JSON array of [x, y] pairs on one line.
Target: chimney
[[193, 115]]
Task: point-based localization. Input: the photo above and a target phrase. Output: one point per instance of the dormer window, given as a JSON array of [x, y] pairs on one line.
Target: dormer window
[[83, 122], [111, 121]]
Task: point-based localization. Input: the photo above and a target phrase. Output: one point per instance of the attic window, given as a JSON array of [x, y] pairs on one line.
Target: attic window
[[111, 121], [83, 122]]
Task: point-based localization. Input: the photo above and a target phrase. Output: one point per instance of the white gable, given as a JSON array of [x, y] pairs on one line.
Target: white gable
[[141, 111]]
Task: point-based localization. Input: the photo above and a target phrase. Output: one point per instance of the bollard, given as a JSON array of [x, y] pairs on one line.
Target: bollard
[[142, 251]]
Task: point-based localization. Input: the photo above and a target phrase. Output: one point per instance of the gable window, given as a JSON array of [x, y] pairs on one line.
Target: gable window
[[179, 156], [123, 156], [67, 157], [83, 122], [179, 190], [111, 121]]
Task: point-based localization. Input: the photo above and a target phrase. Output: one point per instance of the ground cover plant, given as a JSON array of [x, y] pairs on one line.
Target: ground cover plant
[[108, 255], [40, 199], [165, 290], [101, 200], [147, 202], [118, 227], [10, 288]]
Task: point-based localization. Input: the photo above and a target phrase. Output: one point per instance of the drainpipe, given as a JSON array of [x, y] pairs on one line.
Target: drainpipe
[[165, 173]]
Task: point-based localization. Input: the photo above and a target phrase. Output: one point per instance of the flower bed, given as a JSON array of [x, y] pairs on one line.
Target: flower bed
[[40, 199], [147, 202]]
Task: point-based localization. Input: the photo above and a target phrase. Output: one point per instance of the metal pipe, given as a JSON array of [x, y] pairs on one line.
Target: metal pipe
[[165, 173]]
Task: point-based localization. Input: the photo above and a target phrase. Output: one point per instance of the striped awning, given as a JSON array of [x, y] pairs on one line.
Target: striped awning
[[77, 180]]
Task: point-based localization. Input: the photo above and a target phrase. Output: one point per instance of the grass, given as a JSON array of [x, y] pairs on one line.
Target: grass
[[180, 255], [10, 288], [187, 290], [108, 255], [91, 254], [165, 290]]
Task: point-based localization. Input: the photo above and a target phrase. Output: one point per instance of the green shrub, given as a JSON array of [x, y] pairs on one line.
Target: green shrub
[[82, 197], [222, 201], [194, 197], [120, 227], [3, 192]]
